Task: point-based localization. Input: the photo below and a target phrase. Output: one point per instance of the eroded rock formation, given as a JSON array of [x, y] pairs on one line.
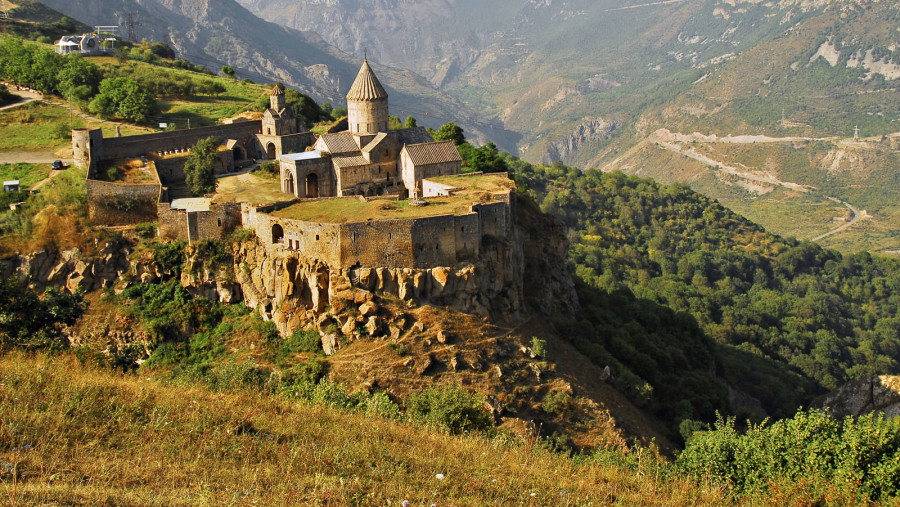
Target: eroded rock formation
[[874, 393]]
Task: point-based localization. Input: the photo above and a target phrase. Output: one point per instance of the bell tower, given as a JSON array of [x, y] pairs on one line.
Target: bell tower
[[367, 103]]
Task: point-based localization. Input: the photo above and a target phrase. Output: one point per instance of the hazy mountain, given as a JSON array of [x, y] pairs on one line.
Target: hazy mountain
[[566, 74], [221, 32], [588, 82]]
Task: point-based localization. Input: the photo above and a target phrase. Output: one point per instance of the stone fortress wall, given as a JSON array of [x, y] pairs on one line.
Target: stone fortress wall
[[441, 240], [116, 204], [217, 223]]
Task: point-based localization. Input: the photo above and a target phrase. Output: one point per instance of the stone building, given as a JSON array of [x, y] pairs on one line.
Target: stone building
[[278, 132], [367, 159]]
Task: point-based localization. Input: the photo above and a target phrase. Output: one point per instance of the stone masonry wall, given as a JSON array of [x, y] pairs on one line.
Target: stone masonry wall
[[116, 147], [217, 223], [171, 169], [121, 204]]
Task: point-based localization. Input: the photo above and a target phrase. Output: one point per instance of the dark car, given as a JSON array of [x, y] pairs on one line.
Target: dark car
[[58, 165]]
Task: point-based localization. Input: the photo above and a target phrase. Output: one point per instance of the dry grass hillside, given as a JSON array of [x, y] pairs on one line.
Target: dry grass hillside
[[73, 434]]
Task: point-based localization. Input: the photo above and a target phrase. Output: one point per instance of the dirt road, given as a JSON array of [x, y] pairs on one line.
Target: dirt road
[[669, 141]]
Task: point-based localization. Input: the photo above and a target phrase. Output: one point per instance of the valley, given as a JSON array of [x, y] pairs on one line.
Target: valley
[[241, 294]]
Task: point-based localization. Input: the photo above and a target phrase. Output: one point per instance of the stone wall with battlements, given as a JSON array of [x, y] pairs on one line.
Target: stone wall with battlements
[[129, 146]]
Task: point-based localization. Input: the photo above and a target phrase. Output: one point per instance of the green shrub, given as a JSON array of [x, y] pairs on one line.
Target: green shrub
[[169, 257], [812, 447], [335, 395], [213, 253], [557, 402], [451, 408], [398, 348], [33, 322], [302, 341], [538, 346], [240, 235], [380, 405], [145, 230]]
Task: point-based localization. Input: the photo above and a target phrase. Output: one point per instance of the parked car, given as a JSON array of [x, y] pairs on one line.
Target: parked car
[[58, 165]]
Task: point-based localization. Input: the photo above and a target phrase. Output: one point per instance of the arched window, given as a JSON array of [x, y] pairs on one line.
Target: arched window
[[277, 234]]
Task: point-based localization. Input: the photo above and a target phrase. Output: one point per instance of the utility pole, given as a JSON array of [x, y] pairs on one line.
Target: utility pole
[[130, 24], [782, 117]]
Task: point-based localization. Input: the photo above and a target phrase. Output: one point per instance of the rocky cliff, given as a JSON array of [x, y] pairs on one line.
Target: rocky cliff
[[874, 393], [509, 279]]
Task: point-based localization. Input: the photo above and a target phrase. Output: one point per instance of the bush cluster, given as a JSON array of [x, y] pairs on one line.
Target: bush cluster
[[861, 454]]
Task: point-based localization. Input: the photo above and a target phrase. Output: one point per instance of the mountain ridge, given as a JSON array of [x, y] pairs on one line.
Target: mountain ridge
[[221, 32]]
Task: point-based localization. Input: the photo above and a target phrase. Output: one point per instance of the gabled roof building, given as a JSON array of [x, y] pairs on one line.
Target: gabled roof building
[[367, 159]]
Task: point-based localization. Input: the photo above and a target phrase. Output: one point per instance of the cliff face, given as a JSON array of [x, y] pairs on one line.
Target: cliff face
[[510, 279], [875, 393], [295, 291], [591, 131]]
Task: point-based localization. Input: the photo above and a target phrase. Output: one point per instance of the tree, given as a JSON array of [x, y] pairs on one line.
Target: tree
[[394, 123], [411, 122], [450, 132], [78, 72], [30, 321], [228, 71], [123, 97], [199, 169]]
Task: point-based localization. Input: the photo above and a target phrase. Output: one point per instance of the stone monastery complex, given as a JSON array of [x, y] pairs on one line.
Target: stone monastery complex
[[365, 197]]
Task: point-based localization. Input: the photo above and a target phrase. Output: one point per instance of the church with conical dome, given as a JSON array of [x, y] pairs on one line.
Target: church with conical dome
[[367, 159]]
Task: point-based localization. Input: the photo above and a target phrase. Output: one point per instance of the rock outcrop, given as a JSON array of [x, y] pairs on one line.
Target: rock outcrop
[[529, 271], [874, 393], [510, 279], [590, 131], [70, 269]]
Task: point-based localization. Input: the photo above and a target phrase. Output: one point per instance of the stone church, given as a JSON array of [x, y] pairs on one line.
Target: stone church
[[367, 159]]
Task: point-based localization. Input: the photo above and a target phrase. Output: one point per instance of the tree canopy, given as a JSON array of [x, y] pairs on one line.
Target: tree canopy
[[123, 97], [450, 132], [199, 169], [32, 321]]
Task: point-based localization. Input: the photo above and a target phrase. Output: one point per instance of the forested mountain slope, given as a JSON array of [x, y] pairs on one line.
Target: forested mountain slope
[[789, 319]]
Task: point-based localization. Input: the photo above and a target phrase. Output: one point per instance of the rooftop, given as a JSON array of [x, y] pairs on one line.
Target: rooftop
[[191, 204], [475, 189], [341, 142], [366, 86], [306, 155], [433, 153]]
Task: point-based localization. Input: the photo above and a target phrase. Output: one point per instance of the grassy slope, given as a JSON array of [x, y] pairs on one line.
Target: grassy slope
[[102, 437], [36, 126], [27, 174]]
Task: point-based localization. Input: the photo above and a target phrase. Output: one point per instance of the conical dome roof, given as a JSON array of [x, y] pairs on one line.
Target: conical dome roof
[[366, 85]]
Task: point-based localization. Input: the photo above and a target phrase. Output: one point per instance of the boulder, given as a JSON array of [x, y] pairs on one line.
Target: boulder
[[368, 309], [348, 327], [330, 343], [373, 326], [423, 365]]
